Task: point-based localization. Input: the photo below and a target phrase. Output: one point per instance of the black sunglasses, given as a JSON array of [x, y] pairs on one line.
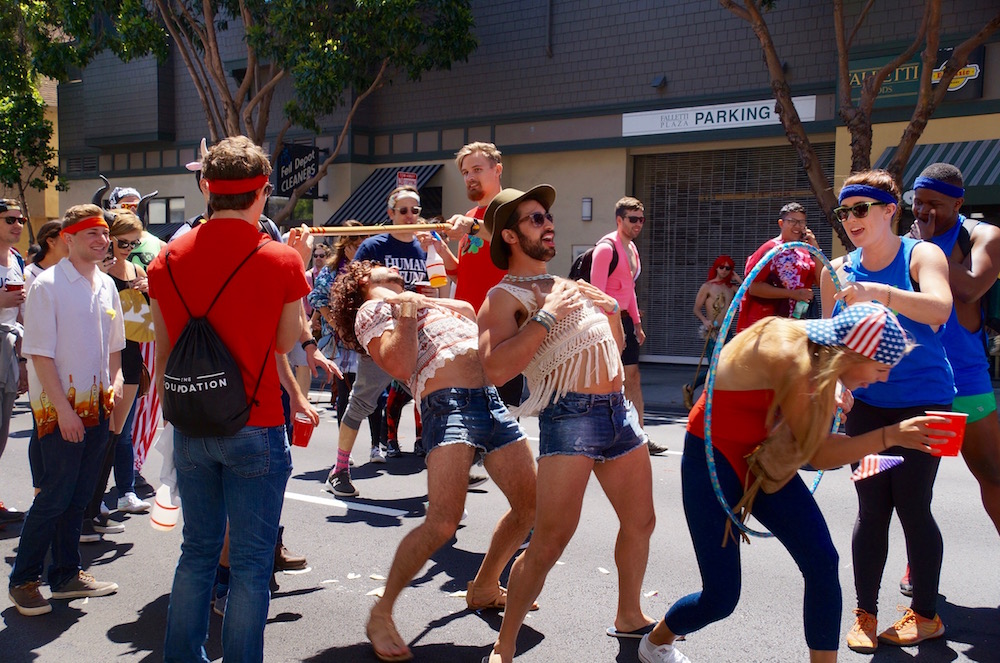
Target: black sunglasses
[[859, 211], [636, 219], [728, 268], [538, 219], [11, 220], [125, 245], [406, 210]]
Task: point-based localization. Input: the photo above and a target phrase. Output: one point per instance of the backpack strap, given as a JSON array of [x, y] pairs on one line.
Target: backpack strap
[[964, 240], [166, 261], [614, 254]]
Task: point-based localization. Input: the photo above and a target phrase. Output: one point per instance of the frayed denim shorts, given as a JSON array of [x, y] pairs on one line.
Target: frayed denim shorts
[[598, 426], [475, 417]]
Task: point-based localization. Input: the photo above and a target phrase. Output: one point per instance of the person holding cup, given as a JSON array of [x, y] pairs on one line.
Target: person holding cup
[[910, 278], [13, 369]]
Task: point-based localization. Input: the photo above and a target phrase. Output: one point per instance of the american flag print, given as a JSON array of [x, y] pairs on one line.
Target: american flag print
[[872, 464], [147, 412]]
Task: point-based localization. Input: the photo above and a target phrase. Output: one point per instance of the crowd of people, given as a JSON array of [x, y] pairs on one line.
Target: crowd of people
[[103, 303]]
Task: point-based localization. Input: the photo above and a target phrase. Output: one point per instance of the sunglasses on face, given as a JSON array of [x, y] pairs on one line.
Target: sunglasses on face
[[727, 268], [406, 210], [129, 206], [636, 219], [538, 219], [126, 245], [859, 211], [11, 220]]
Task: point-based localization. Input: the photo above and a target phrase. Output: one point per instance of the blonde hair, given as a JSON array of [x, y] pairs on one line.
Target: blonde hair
[[788, 345], [78, 213], [488, 150], [125, 222]]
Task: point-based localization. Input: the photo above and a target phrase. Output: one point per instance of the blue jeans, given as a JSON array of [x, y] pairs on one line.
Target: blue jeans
[[66, 474], [475, 417], [242, 477], [598, 426], [125, 456], [791, 514]]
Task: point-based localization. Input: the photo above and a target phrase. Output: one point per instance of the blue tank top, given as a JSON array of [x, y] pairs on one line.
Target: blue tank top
[[924, 375], [966, 350]]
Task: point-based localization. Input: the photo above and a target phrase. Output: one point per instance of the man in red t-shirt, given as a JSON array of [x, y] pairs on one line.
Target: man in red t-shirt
[[788, 279], [474, 273], [241, 476]]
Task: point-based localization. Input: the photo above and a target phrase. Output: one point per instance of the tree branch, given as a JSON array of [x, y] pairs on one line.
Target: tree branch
[[286, 211], [857, 24]]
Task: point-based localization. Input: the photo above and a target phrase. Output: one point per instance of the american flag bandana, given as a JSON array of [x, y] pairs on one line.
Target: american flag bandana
[[869, 329], [872, 464]]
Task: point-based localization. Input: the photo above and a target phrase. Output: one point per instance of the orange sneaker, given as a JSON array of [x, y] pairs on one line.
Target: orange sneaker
[[861, 637], [911, 629]]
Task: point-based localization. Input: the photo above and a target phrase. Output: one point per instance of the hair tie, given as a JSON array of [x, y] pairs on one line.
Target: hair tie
[[868, 192], [939, 186]]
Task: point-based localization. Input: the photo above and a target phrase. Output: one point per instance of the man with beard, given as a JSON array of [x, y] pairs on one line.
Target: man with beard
[[566, 338], [973, 250], [431, 345], [788, 279]]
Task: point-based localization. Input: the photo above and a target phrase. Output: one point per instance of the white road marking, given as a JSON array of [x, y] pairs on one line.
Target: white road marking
[[356, 506]]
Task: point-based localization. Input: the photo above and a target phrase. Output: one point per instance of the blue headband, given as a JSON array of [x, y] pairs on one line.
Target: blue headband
[[868, 192], [939, 186]]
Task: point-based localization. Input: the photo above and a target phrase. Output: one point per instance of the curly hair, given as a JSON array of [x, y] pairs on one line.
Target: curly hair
[[347, 294]]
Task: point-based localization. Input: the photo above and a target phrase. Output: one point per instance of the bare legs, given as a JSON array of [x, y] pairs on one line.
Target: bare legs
[[981, 450], [633, 389]]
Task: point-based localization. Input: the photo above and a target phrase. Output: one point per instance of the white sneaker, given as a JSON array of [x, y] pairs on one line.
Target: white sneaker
[[105, 511], [131, 503], [377, 455], [650, 653]]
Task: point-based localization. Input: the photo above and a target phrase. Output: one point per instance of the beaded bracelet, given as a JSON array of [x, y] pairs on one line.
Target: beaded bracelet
[[548, 316], [545, 319]]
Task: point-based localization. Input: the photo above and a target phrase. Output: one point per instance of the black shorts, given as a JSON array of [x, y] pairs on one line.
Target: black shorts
[[630, 355]]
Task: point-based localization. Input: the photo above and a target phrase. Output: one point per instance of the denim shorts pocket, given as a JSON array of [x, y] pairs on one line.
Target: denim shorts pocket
[[442, 403], [248, 454], [570, 409]]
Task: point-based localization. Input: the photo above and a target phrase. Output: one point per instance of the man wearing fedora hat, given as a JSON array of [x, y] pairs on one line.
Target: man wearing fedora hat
[[566, 338]]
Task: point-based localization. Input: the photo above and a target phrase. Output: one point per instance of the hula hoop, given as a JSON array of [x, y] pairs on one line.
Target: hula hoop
[[714, 363]]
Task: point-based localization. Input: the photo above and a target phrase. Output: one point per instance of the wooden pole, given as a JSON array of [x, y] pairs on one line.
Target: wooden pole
[[376, 230]]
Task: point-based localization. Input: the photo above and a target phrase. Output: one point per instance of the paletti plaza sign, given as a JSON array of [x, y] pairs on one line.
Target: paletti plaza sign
[[712, 118], [295, 165]]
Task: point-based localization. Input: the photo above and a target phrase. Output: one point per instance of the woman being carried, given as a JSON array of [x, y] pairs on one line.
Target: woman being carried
[[774, 402]]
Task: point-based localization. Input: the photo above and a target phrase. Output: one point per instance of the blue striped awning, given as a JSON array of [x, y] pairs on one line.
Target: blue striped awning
[[979, 161], [367, 203]]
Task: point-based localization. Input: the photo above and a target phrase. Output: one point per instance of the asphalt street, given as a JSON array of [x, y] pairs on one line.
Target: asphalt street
[[319, 614]]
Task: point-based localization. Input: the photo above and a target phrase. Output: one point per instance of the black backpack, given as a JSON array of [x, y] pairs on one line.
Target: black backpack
[[203, 393], [581, 266]]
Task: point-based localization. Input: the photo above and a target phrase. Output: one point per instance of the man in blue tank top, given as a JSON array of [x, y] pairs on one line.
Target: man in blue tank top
[[973, 251]]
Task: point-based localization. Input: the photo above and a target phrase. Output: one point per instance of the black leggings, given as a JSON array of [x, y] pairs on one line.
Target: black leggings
[[907, 488]]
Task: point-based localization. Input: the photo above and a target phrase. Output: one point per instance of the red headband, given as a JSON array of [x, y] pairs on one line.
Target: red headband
[[233, 187], [79, 226]]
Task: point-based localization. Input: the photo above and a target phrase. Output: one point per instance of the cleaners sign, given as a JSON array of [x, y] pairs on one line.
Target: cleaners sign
[[708, 118], [296, 164]]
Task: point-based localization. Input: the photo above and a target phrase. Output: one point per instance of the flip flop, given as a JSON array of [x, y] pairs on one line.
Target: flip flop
[[635, 635]]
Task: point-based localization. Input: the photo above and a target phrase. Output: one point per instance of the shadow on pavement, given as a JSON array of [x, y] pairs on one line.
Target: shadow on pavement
[[24, 636]]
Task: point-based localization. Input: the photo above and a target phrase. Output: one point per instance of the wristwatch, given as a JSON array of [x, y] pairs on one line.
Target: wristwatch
[[474, 228], [307, 343]]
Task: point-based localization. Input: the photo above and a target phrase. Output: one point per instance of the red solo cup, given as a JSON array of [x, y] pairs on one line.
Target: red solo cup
[[302, 430], [956, 423], [13, 286]]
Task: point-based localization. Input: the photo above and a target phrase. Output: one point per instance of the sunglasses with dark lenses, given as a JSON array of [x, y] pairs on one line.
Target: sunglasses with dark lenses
[[538, 219], [11, 220], [728, 268], [406, 210], [126, 245], [636, 219], [859, 211]]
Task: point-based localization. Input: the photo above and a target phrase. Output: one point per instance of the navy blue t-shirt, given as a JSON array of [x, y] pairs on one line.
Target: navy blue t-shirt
[[407, 257]]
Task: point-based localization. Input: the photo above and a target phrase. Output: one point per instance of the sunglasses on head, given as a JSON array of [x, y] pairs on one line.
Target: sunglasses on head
[[11, 220], [126, 245], [406, 210], [859, 211], [636, 219], [538, 219]]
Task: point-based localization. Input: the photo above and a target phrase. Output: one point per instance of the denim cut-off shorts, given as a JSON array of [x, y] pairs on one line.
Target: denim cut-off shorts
[[476, 417], [598, 426]]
